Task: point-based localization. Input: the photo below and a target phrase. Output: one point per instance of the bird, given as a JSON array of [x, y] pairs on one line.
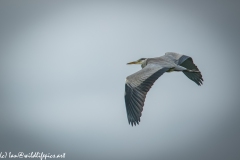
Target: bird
[[138, 84]]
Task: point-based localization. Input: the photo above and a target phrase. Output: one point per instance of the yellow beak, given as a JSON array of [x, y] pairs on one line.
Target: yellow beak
[[134, 62]]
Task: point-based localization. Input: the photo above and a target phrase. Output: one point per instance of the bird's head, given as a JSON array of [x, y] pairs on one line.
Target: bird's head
[[140, 61]]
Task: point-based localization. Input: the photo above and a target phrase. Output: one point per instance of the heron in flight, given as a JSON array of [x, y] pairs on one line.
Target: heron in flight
[[138, 84]]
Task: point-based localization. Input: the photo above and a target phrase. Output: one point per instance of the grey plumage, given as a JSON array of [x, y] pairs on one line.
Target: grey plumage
[[138, 84]]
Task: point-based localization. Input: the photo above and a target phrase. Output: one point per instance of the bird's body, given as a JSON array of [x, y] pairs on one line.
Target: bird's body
[[138, 84]]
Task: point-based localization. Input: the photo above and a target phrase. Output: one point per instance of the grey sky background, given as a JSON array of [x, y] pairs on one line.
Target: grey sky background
[[63, 69]]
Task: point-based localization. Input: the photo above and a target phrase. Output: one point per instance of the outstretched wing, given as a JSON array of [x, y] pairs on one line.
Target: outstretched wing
[[136, 87], [187, 62]]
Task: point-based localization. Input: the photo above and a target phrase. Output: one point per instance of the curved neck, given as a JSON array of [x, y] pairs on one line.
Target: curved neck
[[144, 63]]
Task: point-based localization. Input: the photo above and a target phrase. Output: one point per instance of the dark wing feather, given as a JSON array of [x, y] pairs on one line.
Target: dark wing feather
[[187, 62], [136, 87]]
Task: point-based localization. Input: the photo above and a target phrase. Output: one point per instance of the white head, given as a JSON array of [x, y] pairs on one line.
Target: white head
[[140, 61]]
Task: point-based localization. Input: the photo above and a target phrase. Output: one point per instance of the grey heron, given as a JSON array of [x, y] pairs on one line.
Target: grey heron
[[138, 84]]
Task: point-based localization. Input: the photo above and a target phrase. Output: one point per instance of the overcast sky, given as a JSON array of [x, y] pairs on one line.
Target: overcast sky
[[63, 69]]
